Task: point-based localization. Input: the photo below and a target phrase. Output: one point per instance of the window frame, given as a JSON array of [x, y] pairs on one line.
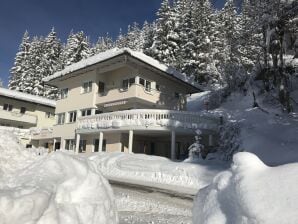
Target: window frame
[[86, 110], [7, 107], [129, 82], [101, 87], [89, 87], [64, 93], [82, 145], [70, 144], [72, 116], [23, 110], [60, 119]]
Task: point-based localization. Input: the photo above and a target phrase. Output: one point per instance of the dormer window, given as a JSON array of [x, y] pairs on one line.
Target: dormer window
[[128, 83], [63, 93], [87, 87]]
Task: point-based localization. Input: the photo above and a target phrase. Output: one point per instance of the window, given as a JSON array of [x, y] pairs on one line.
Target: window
[[177, 95], [61, 118], [49, 115], [70, 144], [87, 87], [82, 146], [142, 82], [97, 111], [146, 84], [7, 107], [101, 87], [128, 83], [23, 110], [72, 116], [157, 87], [63, 93], [86, 112]]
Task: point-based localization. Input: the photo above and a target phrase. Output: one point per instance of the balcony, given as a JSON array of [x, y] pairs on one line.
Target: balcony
[[134, 91], [149, 120], [18, 117], [41, 133]]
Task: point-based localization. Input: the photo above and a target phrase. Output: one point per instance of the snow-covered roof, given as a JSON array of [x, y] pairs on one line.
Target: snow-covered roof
[[116, 52], [27, 97]]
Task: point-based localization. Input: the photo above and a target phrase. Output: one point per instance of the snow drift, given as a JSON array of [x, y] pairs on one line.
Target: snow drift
[[156, 171], [250, 193], [56, 188]]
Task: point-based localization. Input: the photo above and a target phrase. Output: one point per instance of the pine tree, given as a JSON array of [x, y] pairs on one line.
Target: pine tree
[[52, 61], [18, 71], [103, 44], [76, 49], [32, 81], [147, 35], [165, 46]]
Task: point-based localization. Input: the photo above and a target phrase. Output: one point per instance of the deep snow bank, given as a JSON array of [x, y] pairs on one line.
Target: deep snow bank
[[53, 189], [250, 193], [156, 171]]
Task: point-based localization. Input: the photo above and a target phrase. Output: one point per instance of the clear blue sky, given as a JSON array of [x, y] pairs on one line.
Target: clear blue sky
[[94, 17]]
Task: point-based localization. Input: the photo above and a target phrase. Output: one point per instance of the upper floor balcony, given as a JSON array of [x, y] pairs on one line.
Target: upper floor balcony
[[138, 90], [143, 119], [18, 117]]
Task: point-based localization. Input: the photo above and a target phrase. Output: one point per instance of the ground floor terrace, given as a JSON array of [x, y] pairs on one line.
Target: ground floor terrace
[[155, 132]]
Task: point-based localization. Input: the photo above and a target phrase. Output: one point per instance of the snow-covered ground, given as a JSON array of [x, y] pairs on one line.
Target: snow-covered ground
[[49, 189], [250, 193], [268, 133], [156, 171]]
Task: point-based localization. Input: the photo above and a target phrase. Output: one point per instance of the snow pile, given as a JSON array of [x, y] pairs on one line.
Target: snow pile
[[250, 193], [13, 156], [58, 188], [156, 171]]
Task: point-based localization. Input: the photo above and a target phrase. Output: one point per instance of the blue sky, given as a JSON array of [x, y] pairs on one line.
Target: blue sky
[[94, 17]]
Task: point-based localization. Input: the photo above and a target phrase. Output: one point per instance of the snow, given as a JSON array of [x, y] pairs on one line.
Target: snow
[[55, 188], [116, 52], [250, 193], [156, 171], [27, 97], [268, 133]]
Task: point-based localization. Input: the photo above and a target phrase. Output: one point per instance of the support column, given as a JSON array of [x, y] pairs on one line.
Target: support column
[[130, 141], [62, 146], [100, 142], [54, 143], [173, 145], [77, 143]]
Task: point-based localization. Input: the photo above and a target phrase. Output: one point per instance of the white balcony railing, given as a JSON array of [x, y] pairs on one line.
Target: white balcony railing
[[41, 133], [16, 116], [149, 118]]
